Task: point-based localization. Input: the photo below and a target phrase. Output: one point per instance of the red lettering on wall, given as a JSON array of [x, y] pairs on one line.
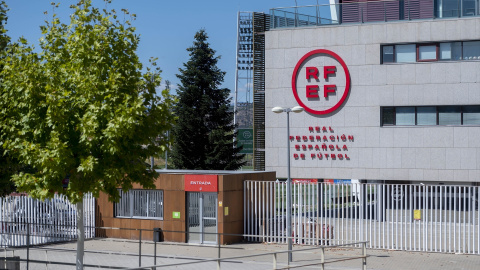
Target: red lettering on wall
[[319, 155], [327, 70], [312, 91], [350, 137], [345, 147], [332, 138], [311, 72], [318, 138], [330, 88]]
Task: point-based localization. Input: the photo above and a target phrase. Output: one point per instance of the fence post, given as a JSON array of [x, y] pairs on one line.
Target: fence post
[[140, 249], [364, 254]]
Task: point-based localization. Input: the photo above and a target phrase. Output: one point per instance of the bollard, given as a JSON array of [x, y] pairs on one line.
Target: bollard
[[274, 261], [364, 253], [322, 258], [140, 249]]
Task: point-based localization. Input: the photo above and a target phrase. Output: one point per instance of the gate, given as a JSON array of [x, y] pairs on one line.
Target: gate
[[48, 221], [430, 218]]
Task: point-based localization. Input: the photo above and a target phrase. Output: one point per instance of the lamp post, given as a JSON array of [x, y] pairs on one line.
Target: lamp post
[[295, 109]]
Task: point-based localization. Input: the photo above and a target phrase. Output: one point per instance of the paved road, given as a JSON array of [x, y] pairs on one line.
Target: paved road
[[124, 253]]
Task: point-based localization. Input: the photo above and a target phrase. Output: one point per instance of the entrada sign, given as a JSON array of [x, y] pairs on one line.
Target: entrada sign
[[201, 183], [321, 82]]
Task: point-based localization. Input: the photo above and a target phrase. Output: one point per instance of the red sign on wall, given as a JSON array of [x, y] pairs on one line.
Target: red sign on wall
[[201, 183], [321, 82]]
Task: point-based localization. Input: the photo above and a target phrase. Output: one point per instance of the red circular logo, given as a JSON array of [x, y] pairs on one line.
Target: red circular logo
[[321, 78]]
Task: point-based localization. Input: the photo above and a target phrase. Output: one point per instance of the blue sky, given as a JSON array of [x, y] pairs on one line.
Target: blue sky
[[166, 28]]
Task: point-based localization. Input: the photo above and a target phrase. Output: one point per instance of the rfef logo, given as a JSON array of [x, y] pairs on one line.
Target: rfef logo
[[321, 82]]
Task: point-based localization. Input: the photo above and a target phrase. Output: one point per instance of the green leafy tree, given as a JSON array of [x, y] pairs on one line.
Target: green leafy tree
[[8, 165], [204, 133], [82, 108]]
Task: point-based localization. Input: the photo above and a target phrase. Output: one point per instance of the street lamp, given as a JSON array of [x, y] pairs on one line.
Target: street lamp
[[295, 109]]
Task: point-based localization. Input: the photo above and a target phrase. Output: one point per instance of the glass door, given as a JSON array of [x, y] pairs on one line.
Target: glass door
[[202, 217]]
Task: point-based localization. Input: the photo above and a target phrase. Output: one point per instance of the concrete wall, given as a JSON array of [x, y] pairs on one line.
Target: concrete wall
[[417, 153]]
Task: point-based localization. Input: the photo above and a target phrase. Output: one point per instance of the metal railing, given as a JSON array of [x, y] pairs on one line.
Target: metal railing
[[428, 218], [368, 11], [24, 219], [121, 252]]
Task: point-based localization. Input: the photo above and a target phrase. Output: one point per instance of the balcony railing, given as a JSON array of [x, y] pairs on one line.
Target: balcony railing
[[371, 11]]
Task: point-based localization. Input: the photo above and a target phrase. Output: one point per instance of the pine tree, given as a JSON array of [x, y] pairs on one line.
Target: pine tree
[[204, 133]]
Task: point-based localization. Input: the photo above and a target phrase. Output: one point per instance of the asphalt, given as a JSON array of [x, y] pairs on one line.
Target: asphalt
[[123, 254]]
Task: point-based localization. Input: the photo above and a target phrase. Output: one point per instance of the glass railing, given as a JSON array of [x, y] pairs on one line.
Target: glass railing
[[371, 11]]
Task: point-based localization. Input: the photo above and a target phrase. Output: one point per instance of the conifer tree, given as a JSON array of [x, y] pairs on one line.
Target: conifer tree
[[204, 132]]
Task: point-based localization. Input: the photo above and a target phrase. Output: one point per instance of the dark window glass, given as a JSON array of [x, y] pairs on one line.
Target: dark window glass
[[387, 54], [388, 116], [449, 115]]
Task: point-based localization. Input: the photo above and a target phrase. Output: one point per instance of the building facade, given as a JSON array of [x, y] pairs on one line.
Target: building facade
[[391, 92]]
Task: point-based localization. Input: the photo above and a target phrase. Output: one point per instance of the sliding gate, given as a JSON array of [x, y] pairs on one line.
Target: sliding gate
[[389, 216]]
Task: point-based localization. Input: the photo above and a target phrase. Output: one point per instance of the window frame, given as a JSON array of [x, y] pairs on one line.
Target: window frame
[[128, 205], [437, 49], [437, 116]]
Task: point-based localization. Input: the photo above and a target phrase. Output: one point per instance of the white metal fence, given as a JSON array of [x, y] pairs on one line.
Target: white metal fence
[[53, 220], [389, 216]]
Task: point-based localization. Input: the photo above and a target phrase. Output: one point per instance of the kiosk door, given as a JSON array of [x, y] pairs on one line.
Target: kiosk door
[[202, 217]]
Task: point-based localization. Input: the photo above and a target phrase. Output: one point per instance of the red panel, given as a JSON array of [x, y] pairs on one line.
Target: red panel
[[202, 183], [304, 181]]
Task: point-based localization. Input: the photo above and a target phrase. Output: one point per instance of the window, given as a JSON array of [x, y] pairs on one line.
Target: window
[[449, 115], [388, 116], [405, 53], [471, 50], [427, 52], [471, 115], [426, 116], [140, 204], [419, 52], [430, 115], [405, 116], [387, 55]]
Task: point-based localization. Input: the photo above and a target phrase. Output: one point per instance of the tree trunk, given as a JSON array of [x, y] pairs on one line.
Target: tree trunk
[[80, 235]]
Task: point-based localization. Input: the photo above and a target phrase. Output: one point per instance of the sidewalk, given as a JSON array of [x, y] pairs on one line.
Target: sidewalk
[[124, 253]]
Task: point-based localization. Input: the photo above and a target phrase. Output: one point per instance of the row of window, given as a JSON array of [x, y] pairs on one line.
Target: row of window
[[140, 204], [424, 52], [430, 115]]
